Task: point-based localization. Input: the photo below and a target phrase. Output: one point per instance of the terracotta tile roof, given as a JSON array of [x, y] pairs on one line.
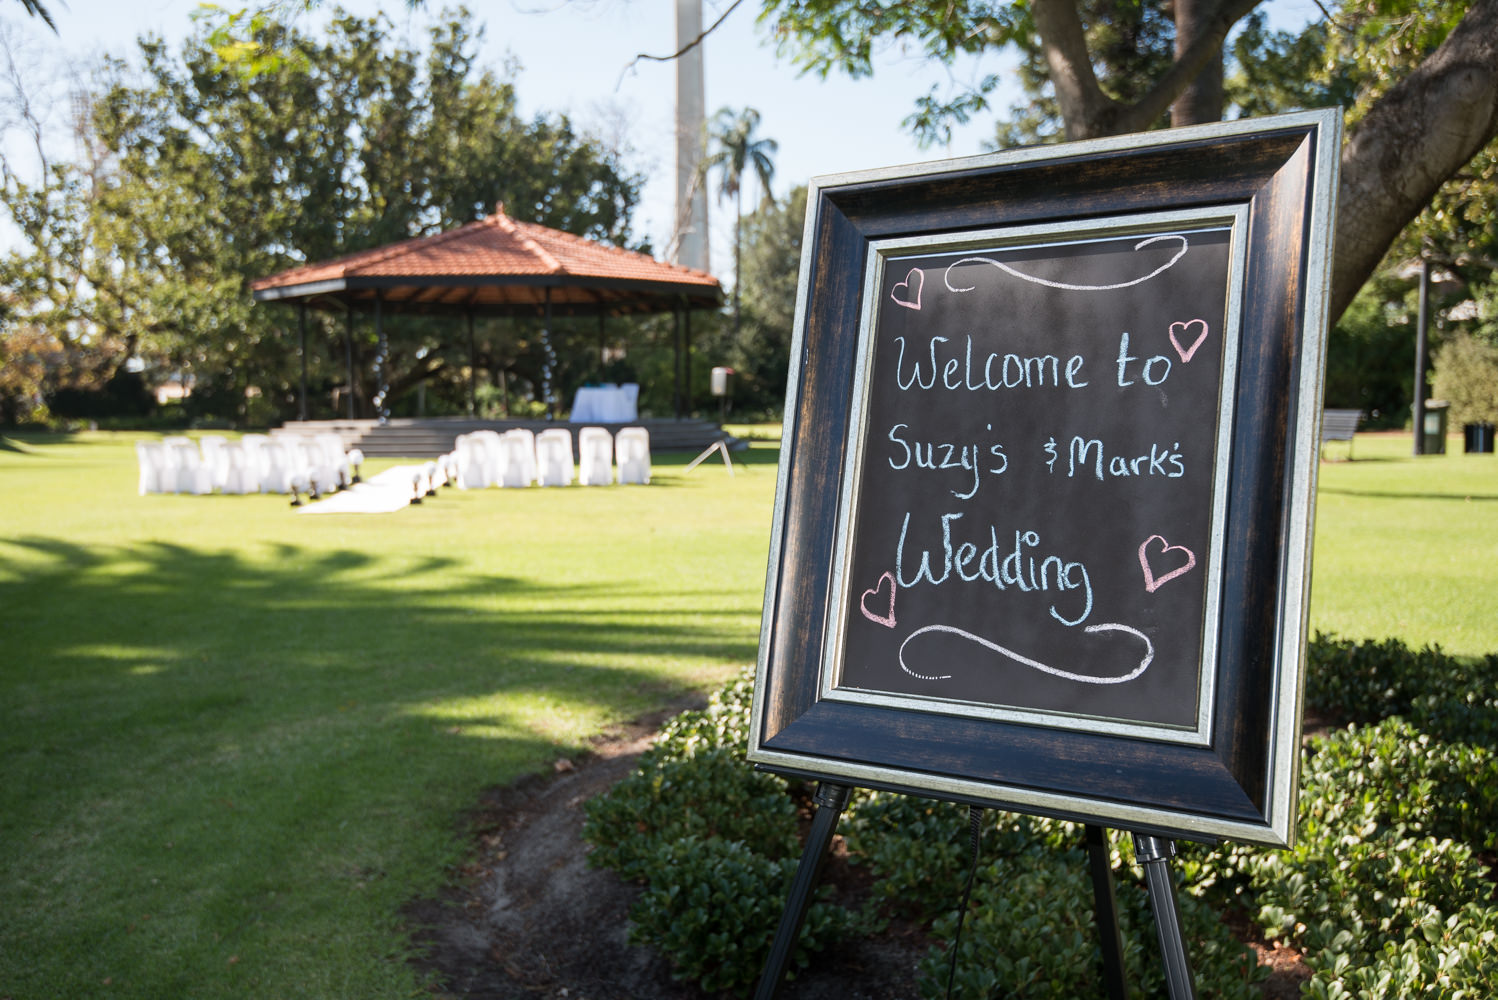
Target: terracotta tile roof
[[499, 253]]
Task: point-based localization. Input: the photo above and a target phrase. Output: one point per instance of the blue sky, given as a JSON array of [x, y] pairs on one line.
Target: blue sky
[[576, 57]]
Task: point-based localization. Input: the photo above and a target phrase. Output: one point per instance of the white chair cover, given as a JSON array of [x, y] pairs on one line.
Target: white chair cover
[[554, 457], [495, 457], [468, 454], [330, 453], [151, 457], [632, 448], [280, 464], [191, 475], [519, 469], [214, 459], [595, 457], [321, 467], [254, 450], [239, 475]]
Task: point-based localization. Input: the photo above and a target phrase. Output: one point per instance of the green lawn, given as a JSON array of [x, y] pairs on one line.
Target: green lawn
[[1408, 547], [234, 740]]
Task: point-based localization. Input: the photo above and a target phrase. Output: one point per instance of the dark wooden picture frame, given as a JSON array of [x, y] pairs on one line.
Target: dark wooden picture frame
[[1231, 773]]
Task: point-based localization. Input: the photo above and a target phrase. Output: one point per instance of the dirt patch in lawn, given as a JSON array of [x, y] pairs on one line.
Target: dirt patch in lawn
[[528, 918]]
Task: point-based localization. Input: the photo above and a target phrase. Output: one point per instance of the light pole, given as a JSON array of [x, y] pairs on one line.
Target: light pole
[[1422, 320]]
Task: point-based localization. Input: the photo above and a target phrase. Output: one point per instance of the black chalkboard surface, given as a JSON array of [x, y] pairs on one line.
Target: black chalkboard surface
[[1043, 520], [1033, 518]]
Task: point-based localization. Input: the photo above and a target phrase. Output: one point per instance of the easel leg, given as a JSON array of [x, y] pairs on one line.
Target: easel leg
[[1154, 853], [718, 446], [1105, 909], [831, 800]]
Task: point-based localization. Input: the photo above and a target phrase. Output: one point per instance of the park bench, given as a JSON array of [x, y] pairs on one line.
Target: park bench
[[1339, 425]]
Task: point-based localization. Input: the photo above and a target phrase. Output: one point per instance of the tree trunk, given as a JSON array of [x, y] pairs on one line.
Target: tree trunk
[[1414, 138], [1089, 113], [738, 222], [1201, 101]]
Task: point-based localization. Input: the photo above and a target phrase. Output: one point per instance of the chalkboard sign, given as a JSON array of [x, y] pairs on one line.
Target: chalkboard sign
[[1031, 523], [1043, 526]]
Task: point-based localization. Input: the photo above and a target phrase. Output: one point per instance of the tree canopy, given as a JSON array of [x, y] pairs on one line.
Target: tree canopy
[[1421, 77], [200, 178]]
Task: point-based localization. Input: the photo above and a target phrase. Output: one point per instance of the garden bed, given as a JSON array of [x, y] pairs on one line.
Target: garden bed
[[1389, 891]]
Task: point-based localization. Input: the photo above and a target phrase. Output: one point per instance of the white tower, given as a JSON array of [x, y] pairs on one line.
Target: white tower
[[690, 244]]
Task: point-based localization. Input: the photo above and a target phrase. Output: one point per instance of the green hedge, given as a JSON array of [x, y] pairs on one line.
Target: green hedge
[[714, 843], [1385, 893]]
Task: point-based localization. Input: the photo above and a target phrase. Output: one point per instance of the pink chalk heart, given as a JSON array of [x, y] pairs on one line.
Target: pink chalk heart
[[908, 292], [1199, 325], [1152, 582], [887, 619]]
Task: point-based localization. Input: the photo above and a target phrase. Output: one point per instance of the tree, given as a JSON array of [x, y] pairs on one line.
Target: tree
[[1353, 61], [208, 177], [26, 353], [760, 352], [1421, 130], [38, 9], [735, 150], [1466, 376]]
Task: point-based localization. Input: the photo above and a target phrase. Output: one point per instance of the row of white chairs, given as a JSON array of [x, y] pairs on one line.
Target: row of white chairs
[[278, 462], [521, 458]]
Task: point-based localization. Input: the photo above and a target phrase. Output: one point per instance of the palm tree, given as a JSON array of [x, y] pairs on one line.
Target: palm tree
[[736, 149], [37, 9]]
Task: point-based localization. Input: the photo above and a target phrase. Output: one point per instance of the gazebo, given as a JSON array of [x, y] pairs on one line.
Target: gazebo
[[495, 266]]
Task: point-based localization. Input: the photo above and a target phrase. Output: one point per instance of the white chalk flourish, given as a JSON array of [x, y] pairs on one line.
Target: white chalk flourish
[[1149, 654], [1070, 287]]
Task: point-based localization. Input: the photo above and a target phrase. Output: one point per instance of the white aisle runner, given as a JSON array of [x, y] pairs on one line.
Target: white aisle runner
[[380, 494]]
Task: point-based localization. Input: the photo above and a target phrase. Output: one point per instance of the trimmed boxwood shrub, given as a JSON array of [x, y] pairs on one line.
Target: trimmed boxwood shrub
[[1385, 893], [1030, 933], [711, 794], [1367, 681], [716, 914], [714, 843], [1029, 930]]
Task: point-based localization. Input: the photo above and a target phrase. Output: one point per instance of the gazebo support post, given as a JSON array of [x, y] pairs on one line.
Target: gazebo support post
[[603, 344], [348, 357], [548, 359], [473, 371], [382, 358], [676, 362], [686, 353], [301, 324]]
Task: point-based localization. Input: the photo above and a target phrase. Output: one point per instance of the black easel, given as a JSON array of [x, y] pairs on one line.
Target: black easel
[[831, 800], [1105, 913], [1153, 853]]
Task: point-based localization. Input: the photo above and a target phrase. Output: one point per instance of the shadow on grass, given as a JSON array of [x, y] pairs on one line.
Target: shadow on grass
[[210, 736], [7, 444], [363, 614], [1395, 495], [121, 660]]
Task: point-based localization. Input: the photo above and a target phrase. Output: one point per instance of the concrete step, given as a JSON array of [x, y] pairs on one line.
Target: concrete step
[[428, 438]]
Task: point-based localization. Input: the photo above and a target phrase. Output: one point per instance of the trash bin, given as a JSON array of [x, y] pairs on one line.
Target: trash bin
[[1433, 441], [1478, 437], [720, 381]]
